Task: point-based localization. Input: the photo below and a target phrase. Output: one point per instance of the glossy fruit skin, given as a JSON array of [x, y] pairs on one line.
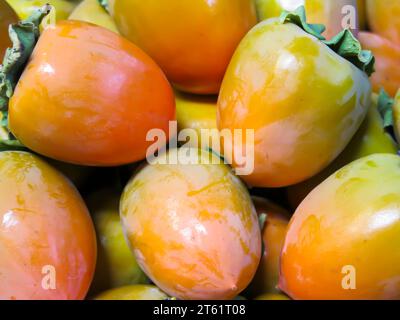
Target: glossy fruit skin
[[192, 41], [370, 138], [273, 235], [387, 55], [116, 265], [197, 112], [328, 13], [93, 110], [270, 86], [351, 219], [7, 16], [24, 8], [185, 237], [91, 11], [133, 292], [384, 18], [44, 223]]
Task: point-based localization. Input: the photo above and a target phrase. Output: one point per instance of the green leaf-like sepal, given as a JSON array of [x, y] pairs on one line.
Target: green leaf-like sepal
[[298, 17], [385, 108], [344, 43], [105, 4], [348, 47], [24, 36]]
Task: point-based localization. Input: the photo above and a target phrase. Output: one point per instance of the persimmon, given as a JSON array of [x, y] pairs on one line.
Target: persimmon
[[387, 55], [47, 239], [303, 100], [192, 41], [343, 240], [88, 96], [384, 18], [192, 226]]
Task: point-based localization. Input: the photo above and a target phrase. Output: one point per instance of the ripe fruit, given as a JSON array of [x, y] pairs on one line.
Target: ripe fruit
[[89, 97], [192, 227], [387, 54], [343, 240], [47, 239], [270, 87], [192, 41], [384, 18]]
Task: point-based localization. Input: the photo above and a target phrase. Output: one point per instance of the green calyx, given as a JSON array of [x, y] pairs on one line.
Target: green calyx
[[298, 17], [385, 108], [24, 36], [344, 43], [105, 4]]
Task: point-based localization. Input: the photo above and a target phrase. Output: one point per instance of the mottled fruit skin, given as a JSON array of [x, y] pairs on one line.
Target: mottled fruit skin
[[116, 266], [326, 12], [193, 228], [134, 292], [370, 138], [7, 16], [273, 235], [303, 101], [384, 18], [88, 96], [24, 8], [343, 240], [91, 11], [387, 66], [45, 232], [192, 41]]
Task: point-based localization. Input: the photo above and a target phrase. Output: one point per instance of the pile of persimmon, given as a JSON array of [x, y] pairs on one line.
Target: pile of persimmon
[[91, 210]]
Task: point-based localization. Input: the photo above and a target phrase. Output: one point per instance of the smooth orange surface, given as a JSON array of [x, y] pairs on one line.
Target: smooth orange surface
[[303, 101], [351, 219], [387, 54], [193, 228], [192, 41], [7, 16], [384, 18], [88, 96], [43, 222], [273, 235]]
